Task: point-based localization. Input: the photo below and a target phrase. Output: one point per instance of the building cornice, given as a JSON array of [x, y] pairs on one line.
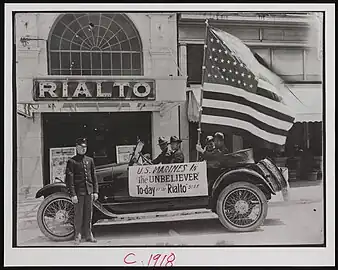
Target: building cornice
[[290, 21]]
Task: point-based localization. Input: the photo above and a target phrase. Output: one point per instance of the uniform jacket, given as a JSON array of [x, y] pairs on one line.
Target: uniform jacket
[[177, 156], [214, 157], [80, 175], [164, 157]]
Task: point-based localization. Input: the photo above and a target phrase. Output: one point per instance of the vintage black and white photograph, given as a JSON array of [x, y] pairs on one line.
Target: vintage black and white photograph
[[168, 128]]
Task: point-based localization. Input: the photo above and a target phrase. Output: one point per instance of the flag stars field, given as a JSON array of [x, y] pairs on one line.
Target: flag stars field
[[234, 97]]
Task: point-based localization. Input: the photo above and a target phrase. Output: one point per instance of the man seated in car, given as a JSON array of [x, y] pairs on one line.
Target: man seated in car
[[214, 157], [176, 155], [209, 148], [165, 156]]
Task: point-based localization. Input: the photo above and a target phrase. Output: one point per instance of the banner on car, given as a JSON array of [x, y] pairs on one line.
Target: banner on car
[[168, 180]]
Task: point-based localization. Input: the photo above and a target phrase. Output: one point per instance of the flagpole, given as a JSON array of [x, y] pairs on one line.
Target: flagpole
[[199, 130]]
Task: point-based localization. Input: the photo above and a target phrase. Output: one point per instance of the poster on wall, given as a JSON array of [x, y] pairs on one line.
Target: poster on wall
[[124, 152], [58, 160], [168, 180]]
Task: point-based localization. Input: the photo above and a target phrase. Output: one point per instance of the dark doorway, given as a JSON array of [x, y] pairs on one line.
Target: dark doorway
[[104, 132]]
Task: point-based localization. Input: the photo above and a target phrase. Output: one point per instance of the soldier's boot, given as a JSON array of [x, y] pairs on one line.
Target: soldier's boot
[[91, 238], [77, 239]]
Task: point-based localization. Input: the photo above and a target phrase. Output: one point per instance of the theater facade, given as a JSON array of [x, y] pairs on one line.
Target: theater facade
[[109, 77]]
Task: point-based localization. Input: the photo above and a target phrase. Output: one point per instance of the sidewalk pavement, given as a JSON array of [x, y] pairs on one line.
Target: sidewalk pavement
[[299, 193]]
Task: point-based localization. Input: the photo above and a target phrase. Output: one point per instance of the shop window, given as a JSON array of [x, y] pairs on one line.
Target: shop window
[[314, 65], [95, 44], [288, 63]]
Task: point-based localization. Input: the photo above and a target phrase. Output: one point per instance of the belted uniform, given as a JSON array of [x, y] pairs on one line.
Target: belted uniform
[[214, 157], [177, 156], [164, 157], [82, 182]]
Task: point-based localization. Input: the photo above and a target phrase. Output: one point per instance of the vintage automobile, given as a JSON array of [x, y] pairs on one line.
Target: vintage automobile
[[238, 192]]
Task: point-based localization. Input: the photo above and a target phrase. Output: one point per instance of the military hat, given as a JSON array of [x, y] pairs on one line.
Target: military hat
[[209, 139], [219, 135], [175, 139], [81, 141], [162, 140]]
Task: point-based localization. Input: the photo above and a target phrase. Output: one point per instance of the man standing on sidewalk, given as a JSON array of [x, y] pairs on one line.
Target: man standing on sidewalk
[[83, 187]]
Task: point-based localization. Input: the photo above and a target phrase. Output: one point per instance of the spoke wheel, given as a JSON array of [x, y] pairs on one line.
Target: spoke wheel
[[241, 207], [56, 217]]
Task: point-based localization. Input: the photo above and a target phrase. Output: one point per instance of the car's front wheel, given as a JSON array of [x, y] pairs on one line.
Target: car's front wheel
[[241, 207], [56, 217]]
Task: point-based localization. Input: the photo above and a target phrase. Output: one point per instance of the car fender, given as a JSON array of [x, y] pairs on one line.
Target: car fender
[[61, 187], [51, 188], [229, 177]]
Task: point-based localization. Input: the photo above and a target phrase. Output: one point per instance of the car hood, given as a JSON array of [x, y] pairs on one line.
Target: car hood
[[110, 165]]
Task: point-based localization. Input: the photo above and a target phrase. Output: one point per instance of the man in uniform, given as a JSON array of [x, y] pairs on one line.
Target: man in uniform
[[83, 187], [177, 155], [214, 157], [165, 155], [209, 147]]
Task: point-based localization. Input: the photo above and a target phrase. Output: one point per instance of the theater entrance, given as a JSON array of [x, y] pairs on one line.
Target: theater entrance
[[104, 131]]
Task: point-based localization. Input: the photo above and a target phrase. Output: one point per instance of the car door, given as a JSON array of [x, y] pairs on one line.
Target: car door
[[118, 200]]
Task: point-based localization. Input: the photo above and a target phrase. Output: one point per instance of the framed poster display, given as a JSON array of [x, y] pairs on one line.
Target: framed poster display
[[124, 152], [58, 158]]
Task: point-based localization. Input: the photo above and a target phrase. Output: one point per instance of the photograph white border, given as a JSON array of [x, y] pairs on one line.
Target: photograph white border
[[184, 256]]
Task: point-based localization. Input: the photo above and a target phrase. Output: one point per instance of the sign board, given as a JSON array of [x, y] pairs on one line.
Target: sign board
[[124, 152], [58, 158], [168, 180], [72, 89]]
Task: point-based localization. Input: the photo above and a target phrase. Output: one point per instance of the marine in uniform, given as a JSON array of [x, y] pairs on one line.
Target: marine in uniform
[[83, 187], [165, 155], [176, 155], [214, 157]]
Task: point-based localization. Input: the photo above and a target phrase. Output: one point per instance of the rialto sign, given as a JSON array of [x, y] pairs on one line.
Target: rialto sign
[[72, 89]]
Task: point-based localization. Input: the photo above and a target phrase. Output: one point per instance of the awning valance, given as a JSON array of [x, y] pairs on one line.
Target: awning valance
[[193, 105]]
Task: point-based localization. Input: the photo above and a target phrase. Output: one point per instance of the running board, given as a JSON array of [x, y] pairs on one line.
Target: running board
[[104, 210]]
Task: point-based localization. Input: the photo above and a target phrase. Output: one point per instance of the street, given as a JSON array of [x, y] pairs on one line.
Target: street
[[299, 221]]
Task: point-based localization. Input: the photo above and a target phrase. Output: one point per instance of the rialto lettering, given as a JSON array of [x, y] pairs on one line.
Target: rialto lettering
[[88, 89]]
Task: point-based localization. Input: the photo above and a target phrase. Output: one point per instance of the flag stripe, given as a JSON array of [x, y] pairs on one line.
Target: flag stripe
[[240, 100], [237, 107], [268, 104], [231, 122], [244, 117], [253, 140]]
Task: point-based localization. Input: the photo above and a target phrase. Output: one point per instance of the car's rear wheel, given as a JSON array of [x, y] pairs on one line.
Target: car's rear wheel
[[56, 217], [241, 207]]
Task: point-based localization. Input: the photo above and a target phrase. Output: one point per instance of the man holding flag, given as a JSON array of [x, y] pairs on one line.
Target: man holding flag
[[239, 94]]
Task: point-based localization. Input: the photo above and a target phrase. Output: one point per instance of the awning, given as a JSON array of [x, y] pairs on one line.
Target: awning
[[308, 107]]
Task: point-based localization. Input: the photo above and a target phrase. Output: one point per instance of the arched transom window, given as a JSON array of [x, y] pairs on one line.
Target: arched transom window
[[95, 44]]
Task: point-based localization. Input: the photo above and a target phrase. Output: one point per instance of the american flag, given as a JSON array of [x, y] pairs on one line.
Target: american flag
[[239, 93]]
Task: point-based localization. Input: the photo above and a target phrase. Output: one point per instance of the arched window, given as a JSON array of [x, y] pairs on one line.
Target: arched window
[[95, 44]]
